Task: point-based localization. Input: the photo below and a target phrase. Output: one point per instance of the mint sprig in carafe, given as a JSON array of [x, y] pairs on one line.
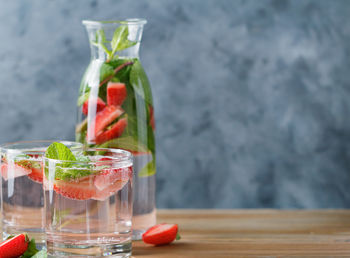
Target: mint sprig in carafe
[[115, 107]]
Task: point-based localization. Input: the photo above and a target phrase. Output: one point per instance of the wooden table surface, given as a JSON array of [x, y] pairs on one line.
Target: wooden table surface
[[254, 233]]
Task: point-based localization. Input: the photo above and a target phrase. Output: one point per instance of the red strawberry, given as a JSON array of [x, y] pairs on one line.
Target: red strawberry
[[104, 160], [160, 234], [87, 189], [100, 105], [35, 156], [103, 119], [13, 170], [110, 176], [109, 181], [109, 190], [14, 247], [36, 175], [116, 93], [116, 130], [80, 190]]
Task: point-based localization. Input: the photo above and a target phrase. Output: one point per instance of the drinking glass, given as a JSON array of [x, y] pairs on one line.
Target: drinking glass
[[89, 213], [22, 201]]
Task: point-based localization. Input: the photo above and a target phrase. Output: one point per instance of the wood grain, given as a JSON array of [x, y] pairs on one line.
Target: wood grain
[[254, 233]]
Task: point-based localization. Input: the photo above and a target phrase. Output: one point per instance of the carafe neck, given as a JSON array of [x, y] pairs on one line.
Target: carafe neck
[[114, 39]]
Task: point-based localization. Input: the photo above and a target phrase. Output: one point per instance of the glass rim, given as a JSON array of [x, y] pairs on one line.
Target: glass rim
[[10, 147], [126, 156], [98, 24]]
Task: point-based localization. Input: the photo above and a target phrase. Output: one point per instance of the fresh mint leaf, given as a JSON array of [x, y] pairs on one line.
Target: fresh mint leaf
[[151, 139], [123, 74], [120, 34], [117, 62], [115, 79], [24, 163], [41, 254], [81, 136], [82, 127], [105, 71], [140, 83], [120, 39], [126, 143], [68, 173], [84, 97], [101, 36], [126, 44], [100, 42], [73, 171], [178, 237], [31, 249], [148, 170], [59, 151]]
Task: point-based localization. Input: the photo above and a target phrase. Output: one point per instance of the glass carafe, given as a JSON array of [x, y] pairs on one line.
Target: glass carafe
[[115, 107]]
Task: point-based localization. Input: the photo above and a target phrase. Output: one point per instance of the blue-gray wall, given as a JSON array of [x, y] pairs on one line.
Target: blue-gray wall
[[252, 97]]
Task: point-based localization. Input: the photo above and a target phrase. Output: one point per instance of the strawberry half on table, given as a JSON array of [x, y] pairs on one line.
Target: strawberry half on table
[[161, 234], [18, 246]]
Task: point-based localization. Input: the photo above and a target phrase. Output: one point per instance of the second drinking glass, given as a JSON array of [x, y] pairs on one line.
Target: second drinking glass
[[22, 201]]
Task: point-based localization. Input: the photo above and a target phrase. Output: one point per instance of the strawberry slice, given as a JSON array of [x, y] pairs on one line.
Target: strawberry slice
[[97, 187], [109, 181], [116, 131], [14, 247], [160, 234], [14, 170], [111, 189], [36, 175], [110, 176], [80, 190], [100, 105], [116, 93], [103, 119]]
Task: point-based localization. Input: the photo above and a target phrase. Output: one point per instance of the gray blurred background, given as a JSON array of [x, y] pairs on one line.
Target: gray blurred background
[[252, 98]]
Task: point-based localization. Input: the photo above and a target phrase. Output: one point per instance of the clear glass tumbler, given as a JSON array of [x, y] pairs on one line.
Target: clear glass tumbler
[[22, 201], [89, 214]]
